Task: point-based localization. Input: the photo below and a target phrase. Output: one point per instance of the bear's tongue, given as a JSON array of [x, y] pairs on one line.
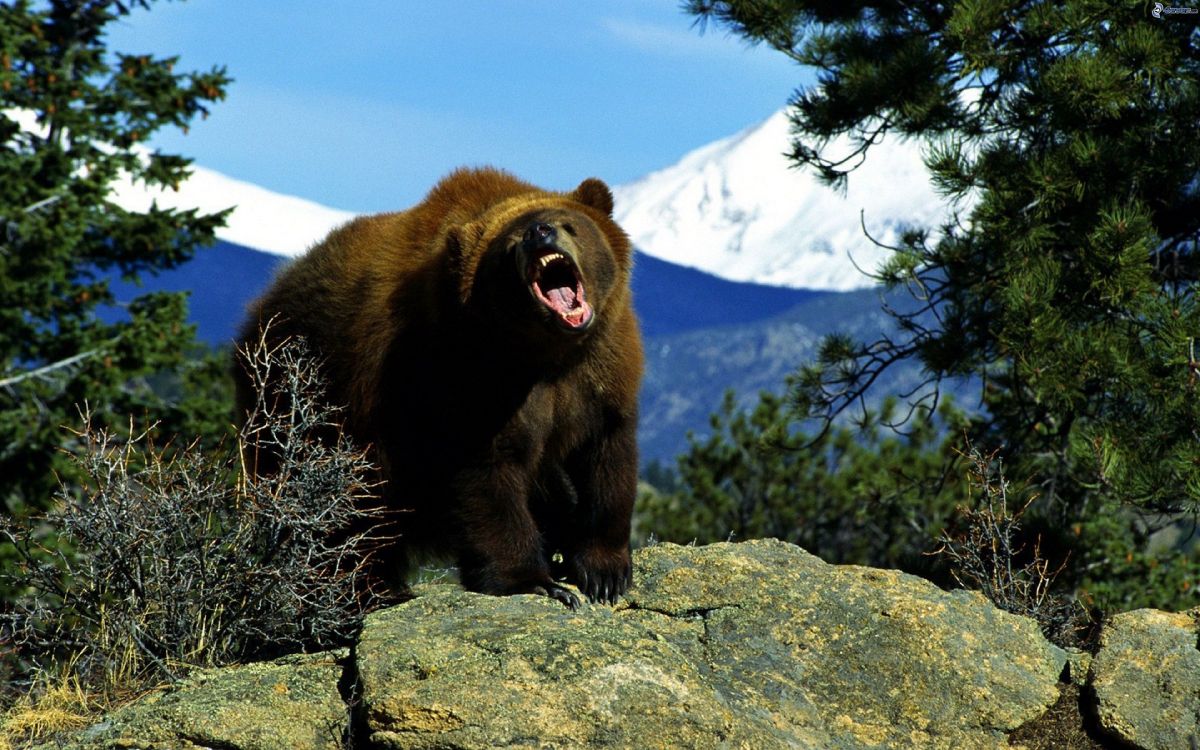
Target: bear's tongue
[[568, 302], [558, 286], [562, 298]]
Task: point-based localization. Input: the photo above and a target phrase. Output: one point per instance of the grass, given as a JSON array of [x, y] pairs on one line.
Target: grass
[[53, 706]]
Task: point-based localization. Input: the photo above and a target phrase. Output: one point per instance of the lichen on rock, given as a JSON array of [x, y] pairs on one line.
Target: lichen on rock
[[1146, 677], [750, 645], [292, 703], [756, 644]]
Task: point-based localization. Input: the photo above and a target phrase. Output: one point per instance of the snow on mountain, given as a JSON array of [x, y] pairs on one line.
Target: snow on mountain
[[735, 208], [738, 209], [261, 219]]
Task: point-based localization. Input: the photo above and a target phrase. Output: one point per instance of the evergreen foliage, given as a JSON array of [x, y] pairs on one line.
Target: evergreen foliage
[[861, 494], [1065, 132], [72, 117]]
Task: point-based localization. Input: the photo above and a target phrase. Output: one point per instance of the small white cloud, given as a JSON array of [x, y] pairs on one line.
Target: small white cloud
[[684, 40]]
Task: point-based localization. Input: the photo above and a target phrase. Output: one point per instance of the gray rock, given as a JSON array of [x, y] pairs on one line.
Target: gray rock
[[753, 645], [1079, 665], [289, 704], [1146, 677]]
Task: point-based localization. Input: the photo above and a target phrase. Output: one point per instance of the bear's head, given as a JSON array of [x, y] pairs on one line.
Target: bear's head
[[552, 265]]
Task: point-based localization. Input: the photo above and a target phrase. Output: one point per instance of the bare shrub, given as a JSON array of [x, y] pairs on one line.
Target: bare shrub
[[169, 557], [989, 554]]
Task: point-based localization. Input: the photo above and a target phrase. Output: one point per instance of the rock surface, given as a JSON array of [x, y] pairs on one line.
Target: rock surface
[[752, 645], [289, 704], [1147, 678]]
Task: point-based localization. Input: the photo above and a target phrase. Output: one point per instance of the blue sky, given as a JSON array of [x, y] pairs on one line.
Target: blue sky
[[363, 105]]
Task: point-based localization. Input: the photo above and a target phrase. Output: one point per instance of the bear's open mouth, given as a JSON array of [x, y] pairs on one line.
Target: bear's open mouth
[[556, 284]]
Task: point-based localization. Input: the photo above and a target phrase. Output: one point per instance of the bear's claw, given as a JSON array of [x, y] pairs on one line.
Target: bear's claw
[[558, 593], [603, 586]]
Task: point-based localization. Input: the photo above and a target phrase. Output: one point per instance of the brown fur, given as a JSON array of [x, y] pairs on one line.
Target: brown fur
[[508, 437]]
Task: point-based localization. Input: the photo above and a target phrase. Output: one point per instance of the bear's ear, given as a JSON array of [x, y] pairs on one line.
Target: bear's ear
[[459, 239], [594, 193], [461, 255], [454, 243]]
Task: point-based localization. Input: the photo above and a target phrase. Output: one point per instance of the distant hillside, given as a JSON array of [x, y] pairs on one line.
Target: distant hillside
[[688, 373], [221, 280], [669, 298], [672, 299]]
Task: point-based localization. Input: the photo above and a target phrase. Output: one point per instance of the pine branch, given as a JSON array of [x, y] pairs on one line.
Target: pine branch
[[43, 372]]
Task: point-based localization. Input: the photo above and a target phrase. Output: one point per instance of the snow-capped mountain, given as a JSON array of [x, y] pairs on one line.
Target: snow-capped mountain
[[738, 209], [735, 208], [261, 219]]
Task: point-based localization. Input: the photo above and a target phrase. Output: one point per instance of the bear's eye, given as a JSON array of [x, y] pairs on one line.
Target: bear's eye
[[569, 229]]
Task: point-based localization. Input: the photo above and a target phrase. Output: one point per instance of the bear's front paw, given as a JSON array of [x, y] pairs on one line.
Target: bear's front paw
[[547, 588], [602, 574], [523, 582], [558, 593]]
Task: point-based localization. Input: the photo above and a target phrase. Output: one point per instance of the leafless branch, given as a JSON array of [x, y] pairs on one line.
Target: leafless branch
[[989, 554], [46, 370], [170, 556]]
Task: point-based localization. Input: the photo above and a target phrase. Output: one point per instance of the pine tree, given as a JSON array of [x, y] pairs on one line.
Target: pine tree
[[1066, 132], [853, 494], [73, 118]]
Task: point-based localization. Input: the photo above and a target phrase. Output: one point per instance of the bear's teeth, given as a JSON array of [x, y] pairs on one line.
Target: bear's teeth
[[546, 260]]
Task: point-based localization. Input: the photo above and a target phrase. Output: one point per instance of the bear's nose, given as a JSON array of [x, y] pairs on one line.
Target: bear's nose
[[540, 234]]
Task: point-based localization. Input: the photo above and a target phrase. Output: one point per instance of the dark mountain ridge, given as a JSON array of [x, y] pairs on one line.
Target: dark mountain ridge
[[669, 298]]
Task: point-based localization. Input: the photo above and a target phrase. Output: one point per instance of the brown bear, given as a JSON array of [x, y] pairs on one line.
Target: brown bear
[[484, 344]]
